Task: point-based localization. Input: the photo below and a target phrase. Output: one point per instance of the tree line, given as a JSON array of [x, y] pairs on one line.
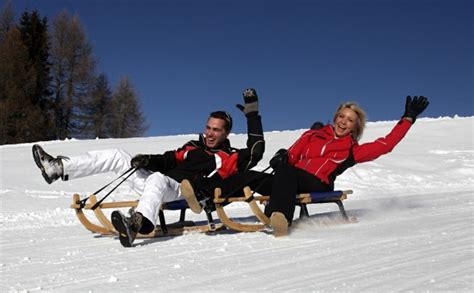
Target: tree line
[[50, 88]]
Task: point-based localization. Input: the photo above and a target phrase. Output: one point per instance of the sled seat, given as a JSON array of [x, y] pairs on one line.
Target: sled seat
[[324, 197], [177, 205]]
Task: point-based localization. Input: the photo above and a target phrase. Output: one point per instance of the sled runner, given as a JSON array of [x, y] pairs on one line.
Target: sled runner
[[217, 203]]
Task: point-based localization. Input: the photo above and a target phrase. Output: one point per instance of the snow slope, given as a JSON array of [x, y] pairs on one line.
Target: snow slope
[[415, 211]]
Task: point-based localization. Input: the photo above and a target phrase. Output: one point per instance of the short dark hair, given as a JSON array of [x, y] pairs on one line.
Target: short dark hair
[[224, 116], [317, 125]]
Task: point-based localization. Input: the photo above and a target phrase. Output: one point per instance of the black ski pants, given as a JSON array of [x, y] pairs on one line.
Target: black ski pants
[[289, 181], [283, 186]]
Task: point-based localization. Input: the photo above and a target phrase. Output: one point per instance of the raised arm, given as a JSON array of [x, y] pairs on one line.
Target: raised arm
[[383, 145], [250, 156]]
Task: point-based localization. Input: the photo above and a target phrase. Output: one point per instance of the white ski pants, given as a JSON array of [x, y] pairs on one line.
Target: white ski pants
[[154, 188]]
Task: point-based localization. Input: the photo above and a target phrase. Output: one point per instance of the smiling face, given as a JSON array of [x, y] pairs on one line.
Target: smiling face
[[345, 122], [215, 132]]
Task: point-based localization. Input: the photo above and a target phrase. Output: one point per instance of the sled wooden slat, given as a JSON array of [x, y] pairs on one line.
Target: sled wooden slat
[[109, 205], [230, 223], [260, 198], [85, 222], [253, 206], [177, 231], [100, 215]]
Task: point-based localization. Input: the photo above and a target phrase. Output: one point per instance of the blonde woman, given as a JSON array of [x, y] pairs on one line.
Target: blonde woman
[[314, 161]]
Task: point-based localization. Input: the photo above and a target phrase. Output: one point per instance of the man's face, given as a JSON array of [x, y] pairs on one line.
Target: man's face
[[215, 132]]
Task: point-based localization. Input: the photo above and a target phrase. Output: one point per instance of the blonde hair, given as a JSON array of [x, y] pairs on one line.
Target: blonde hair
[[361, 118]]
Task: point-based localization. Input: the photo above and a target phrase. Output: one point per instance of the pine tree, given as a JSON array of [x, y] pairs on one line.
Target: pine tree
[[127, 118], [73, 69], [20, 119], [34, 33], [95, 110], [7, 19]]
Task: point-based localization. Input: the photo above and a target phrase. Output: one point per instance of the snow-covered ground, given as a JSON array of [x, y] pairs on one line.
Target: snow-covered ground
[[415, 211]]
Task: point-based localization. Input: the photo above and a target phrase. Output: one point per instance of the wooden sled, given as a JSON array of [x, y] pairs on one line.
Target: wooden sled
[[302, 200], [164, 229]]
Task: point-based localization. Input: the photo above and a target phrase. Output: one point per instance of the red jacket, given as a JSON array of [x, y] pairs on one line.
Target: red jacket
[[319, 152]]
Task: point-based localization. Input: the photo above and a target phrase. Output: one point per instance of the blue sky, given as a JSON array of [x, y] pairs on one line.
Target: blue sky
[[188, 58]]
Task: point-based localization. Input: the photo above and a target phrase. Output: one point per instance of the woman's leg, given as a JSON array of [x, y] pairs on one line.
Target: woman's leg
[[289, 181]]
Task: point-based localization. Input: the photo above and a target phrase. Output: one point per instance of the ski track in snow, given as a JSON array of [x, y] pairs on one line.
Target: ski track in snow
[[415, 212]]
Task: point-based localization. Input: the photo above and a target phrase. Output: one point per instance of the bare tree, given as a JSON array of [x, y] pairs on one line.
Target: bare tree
[[128, 119], [72, 71]]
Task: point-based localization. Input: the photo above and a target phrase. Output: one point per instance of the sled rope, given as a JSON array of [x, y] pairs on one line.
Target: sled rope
[[82, 202], [123, 180]]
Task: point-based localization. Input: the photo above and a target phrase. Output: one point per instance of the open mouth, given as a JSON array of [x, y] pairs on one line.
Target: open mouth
[[341, 128]]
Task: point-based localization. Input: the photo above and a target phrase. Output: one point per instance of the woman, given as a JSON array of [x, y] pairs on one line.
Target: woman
[[314, 161]]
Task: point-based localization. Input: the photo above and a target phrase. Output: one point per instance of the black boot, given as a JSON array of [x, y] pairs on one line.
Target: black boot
[[51, 167], [127, 227]]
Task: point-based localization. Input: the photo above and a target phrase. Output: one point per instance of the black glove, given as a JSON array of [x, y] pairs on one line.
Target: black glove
[[251, 102], [415, 107], [279, 158], [140, 161]]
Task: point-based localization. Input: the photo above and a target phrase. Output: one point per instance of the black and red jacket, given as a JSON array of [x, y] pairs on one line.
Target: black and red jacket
[[195, 160]]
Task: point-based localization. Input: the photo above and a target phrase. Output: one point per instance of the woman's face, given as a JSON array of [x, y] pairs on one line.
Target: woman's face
[[345, 122]]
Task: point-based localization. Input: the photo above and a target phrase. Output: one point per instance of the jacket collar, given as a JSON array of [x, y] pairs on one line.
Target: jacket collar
[[329, 130], [224, 146]]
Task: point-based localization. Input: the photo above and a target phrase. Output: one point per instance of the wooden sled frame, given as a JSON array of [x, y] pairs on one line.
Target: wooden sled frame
[[178, 228], [106, 227], [302, 200]]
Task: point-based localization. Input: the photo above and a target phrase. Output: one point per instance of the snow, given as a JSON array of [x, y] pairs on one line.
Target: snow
[[415, 211]]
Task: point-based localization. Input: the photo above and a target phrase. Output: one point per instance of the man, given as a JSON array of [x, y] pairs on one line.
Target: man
[[158, 177]]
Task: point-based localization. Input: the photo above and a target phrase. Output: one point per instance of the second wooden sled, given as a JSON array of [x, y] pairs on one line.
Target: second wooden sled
[[164, 229], [302, 200]]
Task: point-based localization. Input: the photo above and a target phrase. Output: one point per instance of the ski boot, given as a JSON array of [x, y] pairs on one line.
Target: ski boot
[[51, 168], [127, 227]]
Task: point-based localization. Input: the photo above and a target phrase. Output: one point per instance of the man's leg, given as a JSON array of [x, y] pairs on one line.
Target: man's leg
[[158, 189], [232, 186], [90, 163]]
